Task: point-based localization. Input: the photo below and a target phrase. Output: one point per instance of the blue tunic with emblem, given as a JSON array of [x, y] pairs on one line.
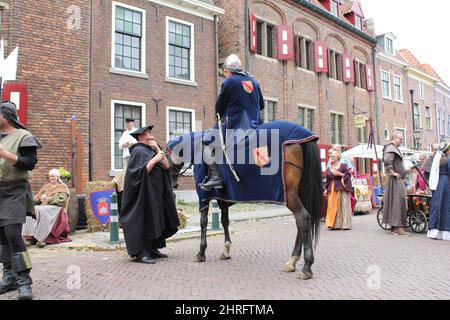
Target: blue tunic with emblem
[[240, 103]]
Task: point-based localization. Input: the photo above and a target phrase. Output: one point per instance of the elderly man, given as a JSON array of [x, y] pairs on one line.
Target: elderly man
[[18, 156], [239, 105], [149, 215], [395, 205], [429, 161]]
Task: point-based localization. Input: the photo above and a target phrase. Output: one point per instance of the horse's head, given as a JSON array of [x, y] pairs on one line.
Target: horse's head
[[175, 167]]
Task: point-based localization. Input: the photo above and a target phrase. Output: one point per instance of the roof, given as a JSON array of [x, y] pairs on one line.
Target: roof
[[430, 70], [352, 6], [407, 56]]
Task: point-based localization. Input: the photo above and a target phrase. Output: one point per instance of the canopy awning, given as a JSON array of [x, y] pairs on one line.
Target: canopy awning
[[364, 152]]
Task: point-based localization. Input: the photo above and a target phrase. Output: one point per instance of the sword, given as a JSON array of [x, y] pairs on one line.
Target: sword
[[224, 149]]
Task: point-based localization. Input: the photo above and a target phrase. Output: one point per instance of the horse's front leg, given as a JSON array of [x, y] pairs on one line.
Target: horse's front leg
[[225, 224], [201, 257]]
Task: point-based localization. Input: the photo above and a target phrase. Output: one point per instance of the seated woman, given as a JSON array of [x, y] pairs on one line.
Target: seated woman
[[338, 188], [439, 223], [51, 225]]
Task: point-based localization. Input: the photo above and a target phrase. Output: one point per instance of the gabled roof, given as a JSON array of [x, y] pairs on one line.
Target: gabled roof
[[352, 6], [430, 70], [407, 56]]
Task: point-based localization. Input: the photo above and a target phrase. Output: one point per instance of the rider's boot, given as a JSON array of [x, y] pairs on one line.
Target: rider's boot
[[21, 265], [8, 282], [214, 180]]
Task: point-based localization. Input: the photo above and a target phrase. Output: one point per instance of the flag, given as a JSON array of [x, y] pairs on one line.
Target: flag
[[8, 66]]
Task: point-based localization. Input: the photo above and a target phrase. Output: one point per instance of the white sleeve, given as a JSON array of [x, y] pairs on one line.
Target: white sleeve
[[122, 141], [434, 173]]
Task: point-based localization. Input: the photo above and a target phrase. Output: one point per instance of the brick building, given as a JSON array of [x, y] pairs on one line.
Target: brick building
[[422, 100], [154, 61], [312, 58]]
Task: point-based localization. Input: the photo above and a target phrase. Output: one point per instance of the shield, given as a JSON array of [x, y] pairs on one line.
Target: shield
[[248, 86], [261, 156], [100, 202]]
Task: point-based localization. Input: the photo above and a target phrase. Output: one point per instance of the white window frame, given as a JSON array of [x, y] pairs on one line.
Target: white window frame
[[144, 123], [420, 114], [386, 45], [143, 38], [421, 91], [171, 108], [265, 112], [405, 131], [334, 2], [431, 118], [358, 22], [306, 109], [390, 85], [343, 142], [401, 87], [191, 81]]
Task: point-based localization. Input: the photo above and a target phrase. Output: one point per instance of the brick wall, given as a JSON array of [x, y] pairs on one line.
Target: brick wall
[[54, 63]]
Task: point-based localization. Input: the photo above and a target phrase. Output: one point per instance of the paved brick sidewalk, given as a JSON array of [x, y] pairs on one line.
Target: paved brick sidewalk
[[410, 268]]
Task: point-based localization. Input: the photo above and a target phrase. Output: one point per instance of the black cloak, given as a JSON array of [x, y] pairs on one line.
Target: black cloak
[[149, 214]]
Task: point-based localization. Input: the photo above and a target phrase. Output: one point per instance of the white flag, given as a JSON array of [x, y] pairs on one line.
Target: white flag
[[9, 67]]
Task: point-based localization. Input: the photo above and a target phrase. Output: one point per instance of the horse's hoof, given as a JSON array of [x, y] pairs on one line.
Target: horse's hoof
[[225, 256], [200, 258], [288, 268], [304, 275]]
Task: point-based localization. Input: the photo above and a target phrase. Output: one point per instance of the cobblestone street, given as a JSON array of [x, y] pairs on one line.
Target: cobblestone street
[[347, 266]]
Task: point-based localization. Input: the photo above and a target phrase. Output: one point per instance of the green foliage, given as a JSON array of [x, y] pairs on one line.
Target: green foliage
[[65, 174]]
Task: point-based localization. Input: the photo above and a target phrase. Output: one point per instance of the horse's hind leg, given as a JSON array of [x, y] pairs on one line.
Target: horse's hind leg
[[303, 221], [201, 257], [225, 224], [291, 264]]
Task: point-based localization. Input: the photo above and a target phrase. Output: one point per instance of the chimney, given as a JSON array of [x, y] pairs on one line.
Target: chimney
[[369, 26]]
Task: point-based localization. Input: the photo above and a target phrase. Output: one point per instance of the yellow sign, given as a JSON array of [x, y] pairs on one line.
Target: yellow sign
[[360, 121]]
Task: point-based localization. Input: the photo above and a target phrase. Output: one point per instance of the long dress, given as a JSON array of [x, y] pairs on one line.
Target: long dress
[[439, 223], [339, 210]]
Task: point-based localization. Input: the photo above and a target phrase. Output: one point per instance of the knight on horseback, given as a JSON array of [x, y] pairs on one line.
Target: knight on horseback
[[239, 105]]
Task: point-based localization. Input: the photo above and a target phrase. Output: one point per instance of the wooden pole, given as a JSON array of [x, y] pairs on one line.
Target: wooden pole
[[79, 164]]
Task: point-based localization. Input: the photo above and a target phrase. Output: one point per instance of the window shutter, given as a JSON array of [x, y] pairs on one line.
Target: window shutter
[[285, 42], [320, 56], [17, 93], [348, 68], [253, 34], [323, 149], [370, 78]]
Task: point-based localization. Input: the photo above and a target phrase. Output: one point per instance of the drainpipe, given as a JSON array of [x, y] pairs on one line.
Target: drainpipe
[[247, 35], [216, 44], [377, 102], [91, 165]]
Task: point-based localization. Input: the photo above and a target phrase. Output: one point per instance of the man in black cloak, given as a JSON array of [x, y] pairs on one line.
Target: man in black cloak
[[149, 214]]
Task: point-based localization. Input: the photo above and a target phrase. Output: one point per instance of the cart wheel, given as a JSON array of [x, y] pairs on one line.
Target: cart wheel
[[383, 226], [418, 221]]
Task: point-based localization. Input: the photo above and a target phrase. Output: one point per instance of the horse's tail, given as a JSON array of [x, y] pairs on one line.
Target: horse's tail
[[311, 188]]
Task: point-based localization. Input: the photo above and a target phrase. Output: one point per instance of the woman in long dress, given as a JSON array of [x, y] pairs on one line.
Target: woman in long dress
[[439, 223], [338, 188]]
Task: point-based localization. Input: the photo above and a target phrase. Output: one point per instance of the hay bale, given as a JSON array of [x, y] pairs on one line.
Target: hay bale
[[93, 225]]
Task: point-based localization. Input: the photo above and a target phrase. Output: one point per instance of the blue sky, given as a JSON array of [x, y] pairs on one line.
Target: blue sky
[[421, 26]]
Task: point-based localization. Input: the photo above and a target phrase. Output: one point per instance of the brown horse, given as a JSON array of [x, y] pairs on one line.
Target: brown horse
[[304, 189]]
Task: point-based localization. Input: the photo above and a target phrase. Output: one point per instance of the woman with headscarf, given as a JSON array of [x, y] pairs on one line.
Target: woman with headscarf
[[338, 188], [51, 225], [439, 222]]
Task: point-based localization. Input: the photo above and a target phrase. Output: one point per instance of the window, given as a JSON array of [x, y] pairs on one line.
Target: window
[[337, 129], [403, 131], [358, 22], [421, 91], [334, 8], [1, 23], [123, 110], [360, 72], [306, 53], [428, 118], [448, 124], [266, 39], [416, 116], [335, 65], [180, 43], [441, 122], [386, 84], [389, 46], [398, 94], [129, 38], [269, 111], [306, 118], [180, 121], [361, 135]]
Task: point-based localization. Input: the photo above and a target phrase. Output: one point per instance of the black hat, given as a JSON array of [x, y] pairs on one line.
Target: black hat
[[9, 112], [129, 120], [140, 131]]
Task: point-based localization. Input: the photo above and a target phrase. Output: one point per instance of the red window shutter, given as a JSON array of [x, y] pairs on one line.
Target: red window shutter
[[348, 68], [370, 78], [321, 56], [17, 93], [323, 150], [253, 34], [285, 42]]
